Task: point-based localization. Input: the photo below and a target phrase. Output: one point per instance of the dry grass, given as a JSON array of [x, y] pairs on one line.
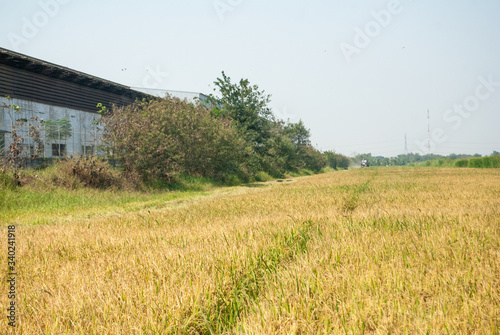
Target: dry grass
[[403, 250]]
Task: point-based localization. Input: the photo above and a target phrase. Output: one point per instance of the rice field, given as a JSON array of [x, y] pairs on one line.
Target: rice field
[[373, 251]]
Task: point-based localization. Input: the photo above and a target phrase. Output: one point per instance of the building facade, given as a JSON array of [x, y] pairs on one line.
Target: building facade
[[32, 89]]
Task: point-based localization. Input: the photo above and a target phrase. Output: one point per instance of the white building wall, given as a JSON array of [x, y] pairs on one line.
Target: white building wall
[[84, 132]]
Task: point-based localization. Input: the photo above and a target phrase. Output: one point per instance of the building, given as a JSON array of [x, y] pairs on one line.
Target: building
[[189, 96], [53, 92]]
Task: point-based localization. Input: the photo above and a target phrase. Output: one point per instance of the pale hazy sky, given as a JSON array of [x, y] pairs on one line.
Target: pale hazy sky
[[360, 73]]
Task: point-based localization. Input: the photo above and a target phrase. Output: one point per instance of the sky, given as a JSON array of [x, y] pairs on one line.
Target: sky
[[361, 74]]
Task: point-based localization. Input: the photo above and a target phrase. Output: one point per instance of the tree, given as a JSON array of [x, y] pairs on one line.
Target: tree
[[337, 161], [246, 105], [331, 159], [343, 162], [312, 159], [58, 130], [298, 134]]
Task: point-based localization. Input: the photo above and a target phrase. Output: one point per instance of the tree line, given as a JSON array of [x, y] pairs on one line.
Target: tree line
[[409, 159], [233, 135]]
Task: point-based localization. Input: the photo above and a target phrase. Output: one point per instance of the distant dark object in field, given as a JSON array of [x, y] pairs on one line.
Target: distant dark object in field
[[279, 180]]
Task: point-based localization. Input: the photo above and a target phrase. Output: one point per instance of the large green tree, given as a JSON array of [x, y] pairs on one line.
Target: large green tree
[[278, 146], [298, 134], [246, 105]]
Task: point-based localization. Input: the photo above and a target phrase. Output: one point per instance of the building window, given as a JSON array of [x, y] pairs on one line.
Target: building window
[[58, 149]]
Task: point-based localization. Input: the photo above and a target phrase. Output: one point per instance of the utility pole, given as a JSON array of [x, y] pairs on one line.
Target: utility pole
[[428, 131], [406, 145]]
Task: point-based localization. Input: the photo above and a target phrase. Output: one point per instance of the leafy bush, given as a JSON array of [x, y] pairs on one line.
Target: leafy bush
[[485, 162], [263, 176], [343, 162], [163, 137], [495, 161], [476, 163], [331, 159], [232, 180], [473, 162], [462, 163]]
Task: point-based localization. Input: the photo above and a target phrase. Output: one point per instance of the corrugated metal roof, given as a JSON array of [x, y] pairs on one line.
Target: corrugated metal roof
[[31, 64]]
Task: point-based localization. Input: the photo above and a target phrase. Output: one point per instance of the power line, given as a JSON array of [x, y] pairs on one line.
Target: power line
[[364, 144]]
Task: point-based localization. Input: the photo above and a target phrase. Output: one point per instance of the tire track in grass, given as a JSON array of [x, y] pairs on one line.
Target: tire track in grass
[[351, 203], [221, 309]]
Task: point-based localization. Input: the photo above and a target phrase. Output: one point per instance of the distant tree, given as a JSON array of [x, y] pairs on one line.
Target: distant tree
[[312, 159], [331, 159], [343, 162]]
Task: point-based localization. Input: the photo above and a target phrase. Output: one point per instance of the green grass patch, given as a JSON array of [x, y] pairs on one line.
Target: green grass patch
[[86, 187], [263, 176], [241, 282], [38, 207], [182, 182]]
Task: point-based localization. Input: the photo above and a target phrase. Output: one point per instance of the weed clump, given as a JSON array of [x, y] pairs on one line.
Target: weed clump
[[91, 172], [7, 180], [76, 173], [263, 176]]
